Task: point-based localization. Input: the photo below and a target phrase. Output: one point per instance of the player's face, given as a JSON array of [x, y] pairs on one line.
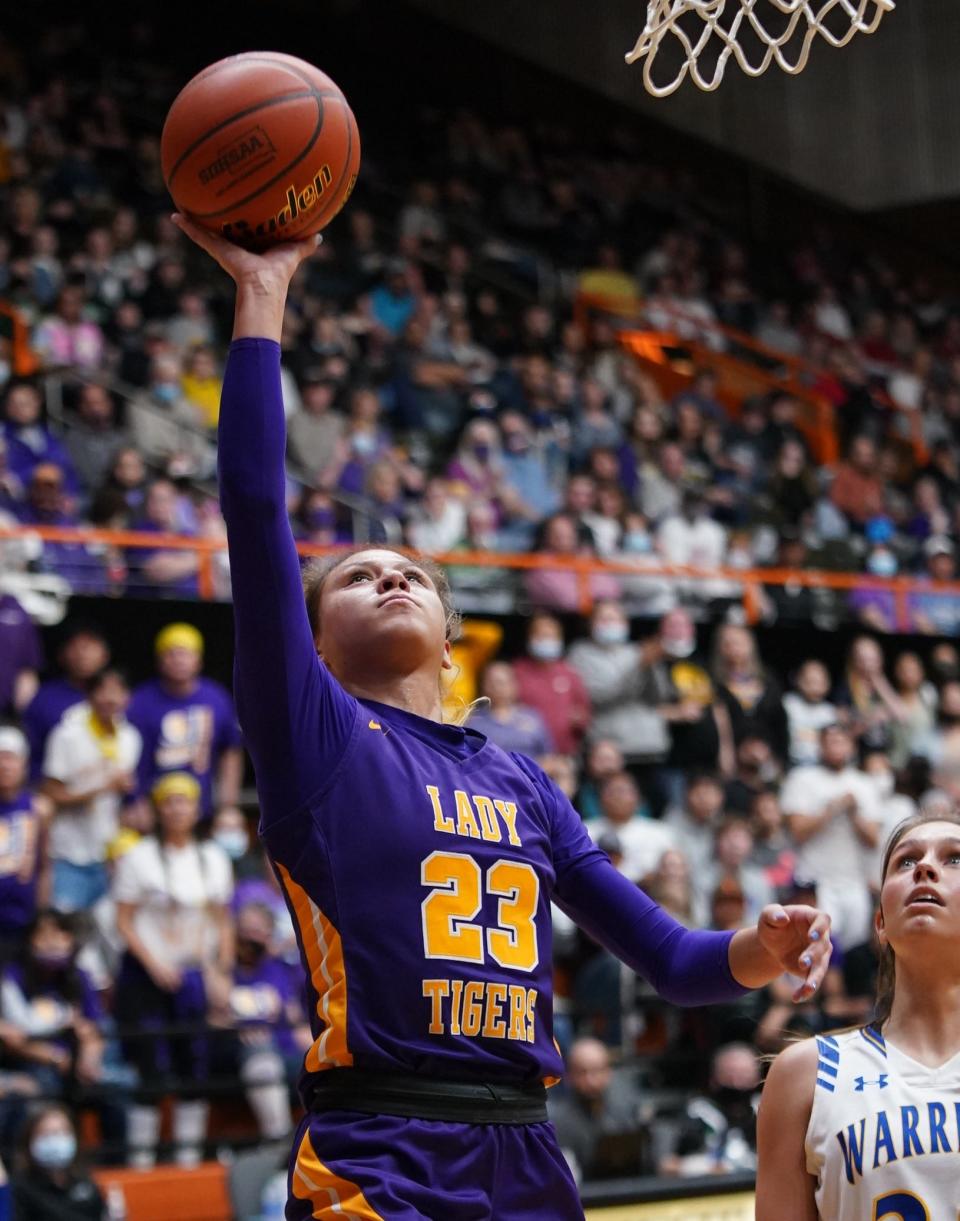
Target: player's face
[[921, 888], [381, 601]]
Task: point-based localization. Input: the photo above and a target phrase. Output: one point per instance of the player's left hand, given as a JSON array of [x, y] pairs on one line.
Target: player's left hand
[[798, 939]]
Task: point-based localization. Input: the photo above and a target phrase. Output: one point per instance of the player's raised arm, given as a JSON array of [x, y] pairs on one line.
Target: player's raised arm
[[283, 697]]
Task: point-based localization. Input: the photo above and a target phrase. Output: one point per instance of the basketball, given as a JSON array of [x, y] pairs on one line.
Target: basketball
[[261, 148]]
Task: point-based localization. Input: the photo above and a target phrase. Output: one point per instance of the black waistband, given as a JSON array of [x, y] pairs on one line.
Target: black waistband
[[373, 1093]]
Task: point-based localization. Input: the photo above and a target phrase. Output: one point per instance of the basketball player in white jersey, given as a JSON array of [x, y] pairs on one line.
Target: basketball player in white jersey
[[864, 1124]]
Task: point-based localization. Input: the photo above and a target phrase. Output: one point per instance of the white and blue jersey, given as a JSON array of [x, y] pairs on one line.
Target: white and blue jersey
[[884, 1135]]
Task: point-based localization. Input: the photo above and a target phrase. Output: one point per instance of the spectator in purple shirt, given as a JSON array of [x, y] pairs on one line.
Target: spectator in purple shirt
[[22, 817], [48, 504], [187, 722], [82, 652], [21, 656], [29, 440], [513, 726], [157, 571], [271, 1033]]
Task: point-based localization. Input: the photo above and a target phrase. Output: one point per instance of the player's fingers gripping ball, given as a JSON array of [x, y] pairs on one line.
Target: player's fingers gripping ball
[[261, 148]]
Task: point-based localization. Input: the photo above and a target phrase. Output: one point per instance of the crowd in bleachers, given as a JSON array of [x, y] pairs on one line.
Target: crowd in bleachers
[[439, 392], [438, 387]]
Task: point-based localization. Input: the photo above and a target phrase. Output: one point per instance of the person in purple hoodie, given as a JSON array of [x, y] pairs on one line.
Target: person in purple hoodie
[[29, 440], [83, 652], [264, 1006], [417, 858], [23, 818], [187, 722]]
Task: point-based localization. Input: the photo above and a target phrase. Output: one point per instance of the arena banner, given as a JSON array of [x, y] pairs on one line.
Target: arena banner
[[738, 1207]]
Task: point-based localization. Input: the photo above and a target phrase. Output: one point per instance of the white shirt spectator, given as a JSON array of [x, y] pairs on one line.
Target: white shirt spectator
[[701, 543], [643, 842], [695, 837], [82, 760], [172, 890], [834, 857], [804, 722], [441, 530]]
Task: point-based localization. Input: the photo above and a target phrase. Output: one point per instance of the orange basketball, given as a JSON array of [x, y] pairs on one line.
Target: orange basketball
[[261, 147]]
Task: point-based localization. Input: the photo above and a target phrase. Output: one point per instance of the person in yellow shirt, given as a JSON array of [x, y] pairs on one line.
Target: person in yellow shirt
[[608, 279], [478, 642], [201, 384]]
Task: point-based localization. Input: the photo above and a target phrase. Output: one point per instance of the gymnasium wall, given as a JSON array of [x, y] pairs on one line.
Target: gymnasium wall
[[874, 125]]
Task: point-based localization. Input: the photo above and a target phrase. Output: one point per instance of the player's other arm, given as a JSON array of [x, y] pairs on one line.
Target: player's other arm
[[785, 1189]]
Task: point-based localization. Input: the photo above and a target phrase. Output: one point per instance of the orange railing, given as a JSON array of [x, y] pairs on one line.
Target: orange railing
[[744, 367], [746, 584]]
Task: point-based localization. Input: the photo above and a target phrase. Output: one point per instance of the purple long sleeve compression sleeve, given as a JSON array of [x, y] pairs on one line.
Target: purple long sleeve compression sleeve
[[685, 966], [281, 689]]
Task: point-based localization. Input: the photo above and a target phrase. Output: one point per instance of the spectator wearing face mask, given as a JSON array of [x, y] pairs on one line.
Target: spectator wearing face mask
[[270, 1031], [49, 1184], [718, 1130], [894, 804], [50, 1011], [611, 666], [550, 685], [230, 829]]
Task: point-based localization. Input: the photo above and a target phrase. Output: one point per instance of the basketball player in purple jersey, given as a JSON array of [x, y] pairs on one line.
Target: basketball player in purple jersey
[[417, 858]]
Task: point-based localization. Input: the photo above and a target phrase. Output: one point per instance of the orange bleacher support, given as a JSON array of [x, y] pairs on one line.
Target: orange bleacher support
[[671, 359], [23, 359]]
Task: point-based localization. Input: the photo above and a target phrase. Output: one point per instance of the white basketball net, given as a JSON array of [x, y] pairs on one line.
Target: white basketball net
[[757, 33]]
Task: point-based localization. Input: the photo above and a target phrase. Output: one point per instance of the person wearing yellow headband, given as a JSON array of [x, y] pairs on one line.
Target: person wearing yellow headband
[[175, 948], [187, 722]]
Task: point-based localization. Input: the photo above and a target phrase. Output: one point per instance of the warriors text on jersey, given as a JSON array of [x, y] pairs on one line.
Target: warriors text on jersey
[[884, 1133]]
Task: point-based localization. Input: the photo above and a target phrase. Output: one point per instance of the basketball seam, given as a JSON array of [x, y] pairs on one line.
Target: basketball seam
[[346, 167], [240, 114], [239, 203], [346, 162]]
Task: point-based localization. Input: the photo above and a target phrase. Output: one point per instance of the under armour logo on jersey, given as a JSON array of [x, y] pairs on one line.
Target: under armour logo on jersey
[[881, 1081]]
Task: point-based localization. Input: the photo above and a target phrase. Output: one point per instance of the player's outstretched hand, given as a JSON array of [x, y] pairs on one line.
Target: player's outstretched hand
[[277, 263], [798, 938]]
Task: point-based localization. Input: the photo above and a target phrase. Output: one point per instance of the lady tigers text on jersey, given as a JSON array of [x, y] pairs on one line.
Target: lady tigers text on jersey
[[884, 1132]]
